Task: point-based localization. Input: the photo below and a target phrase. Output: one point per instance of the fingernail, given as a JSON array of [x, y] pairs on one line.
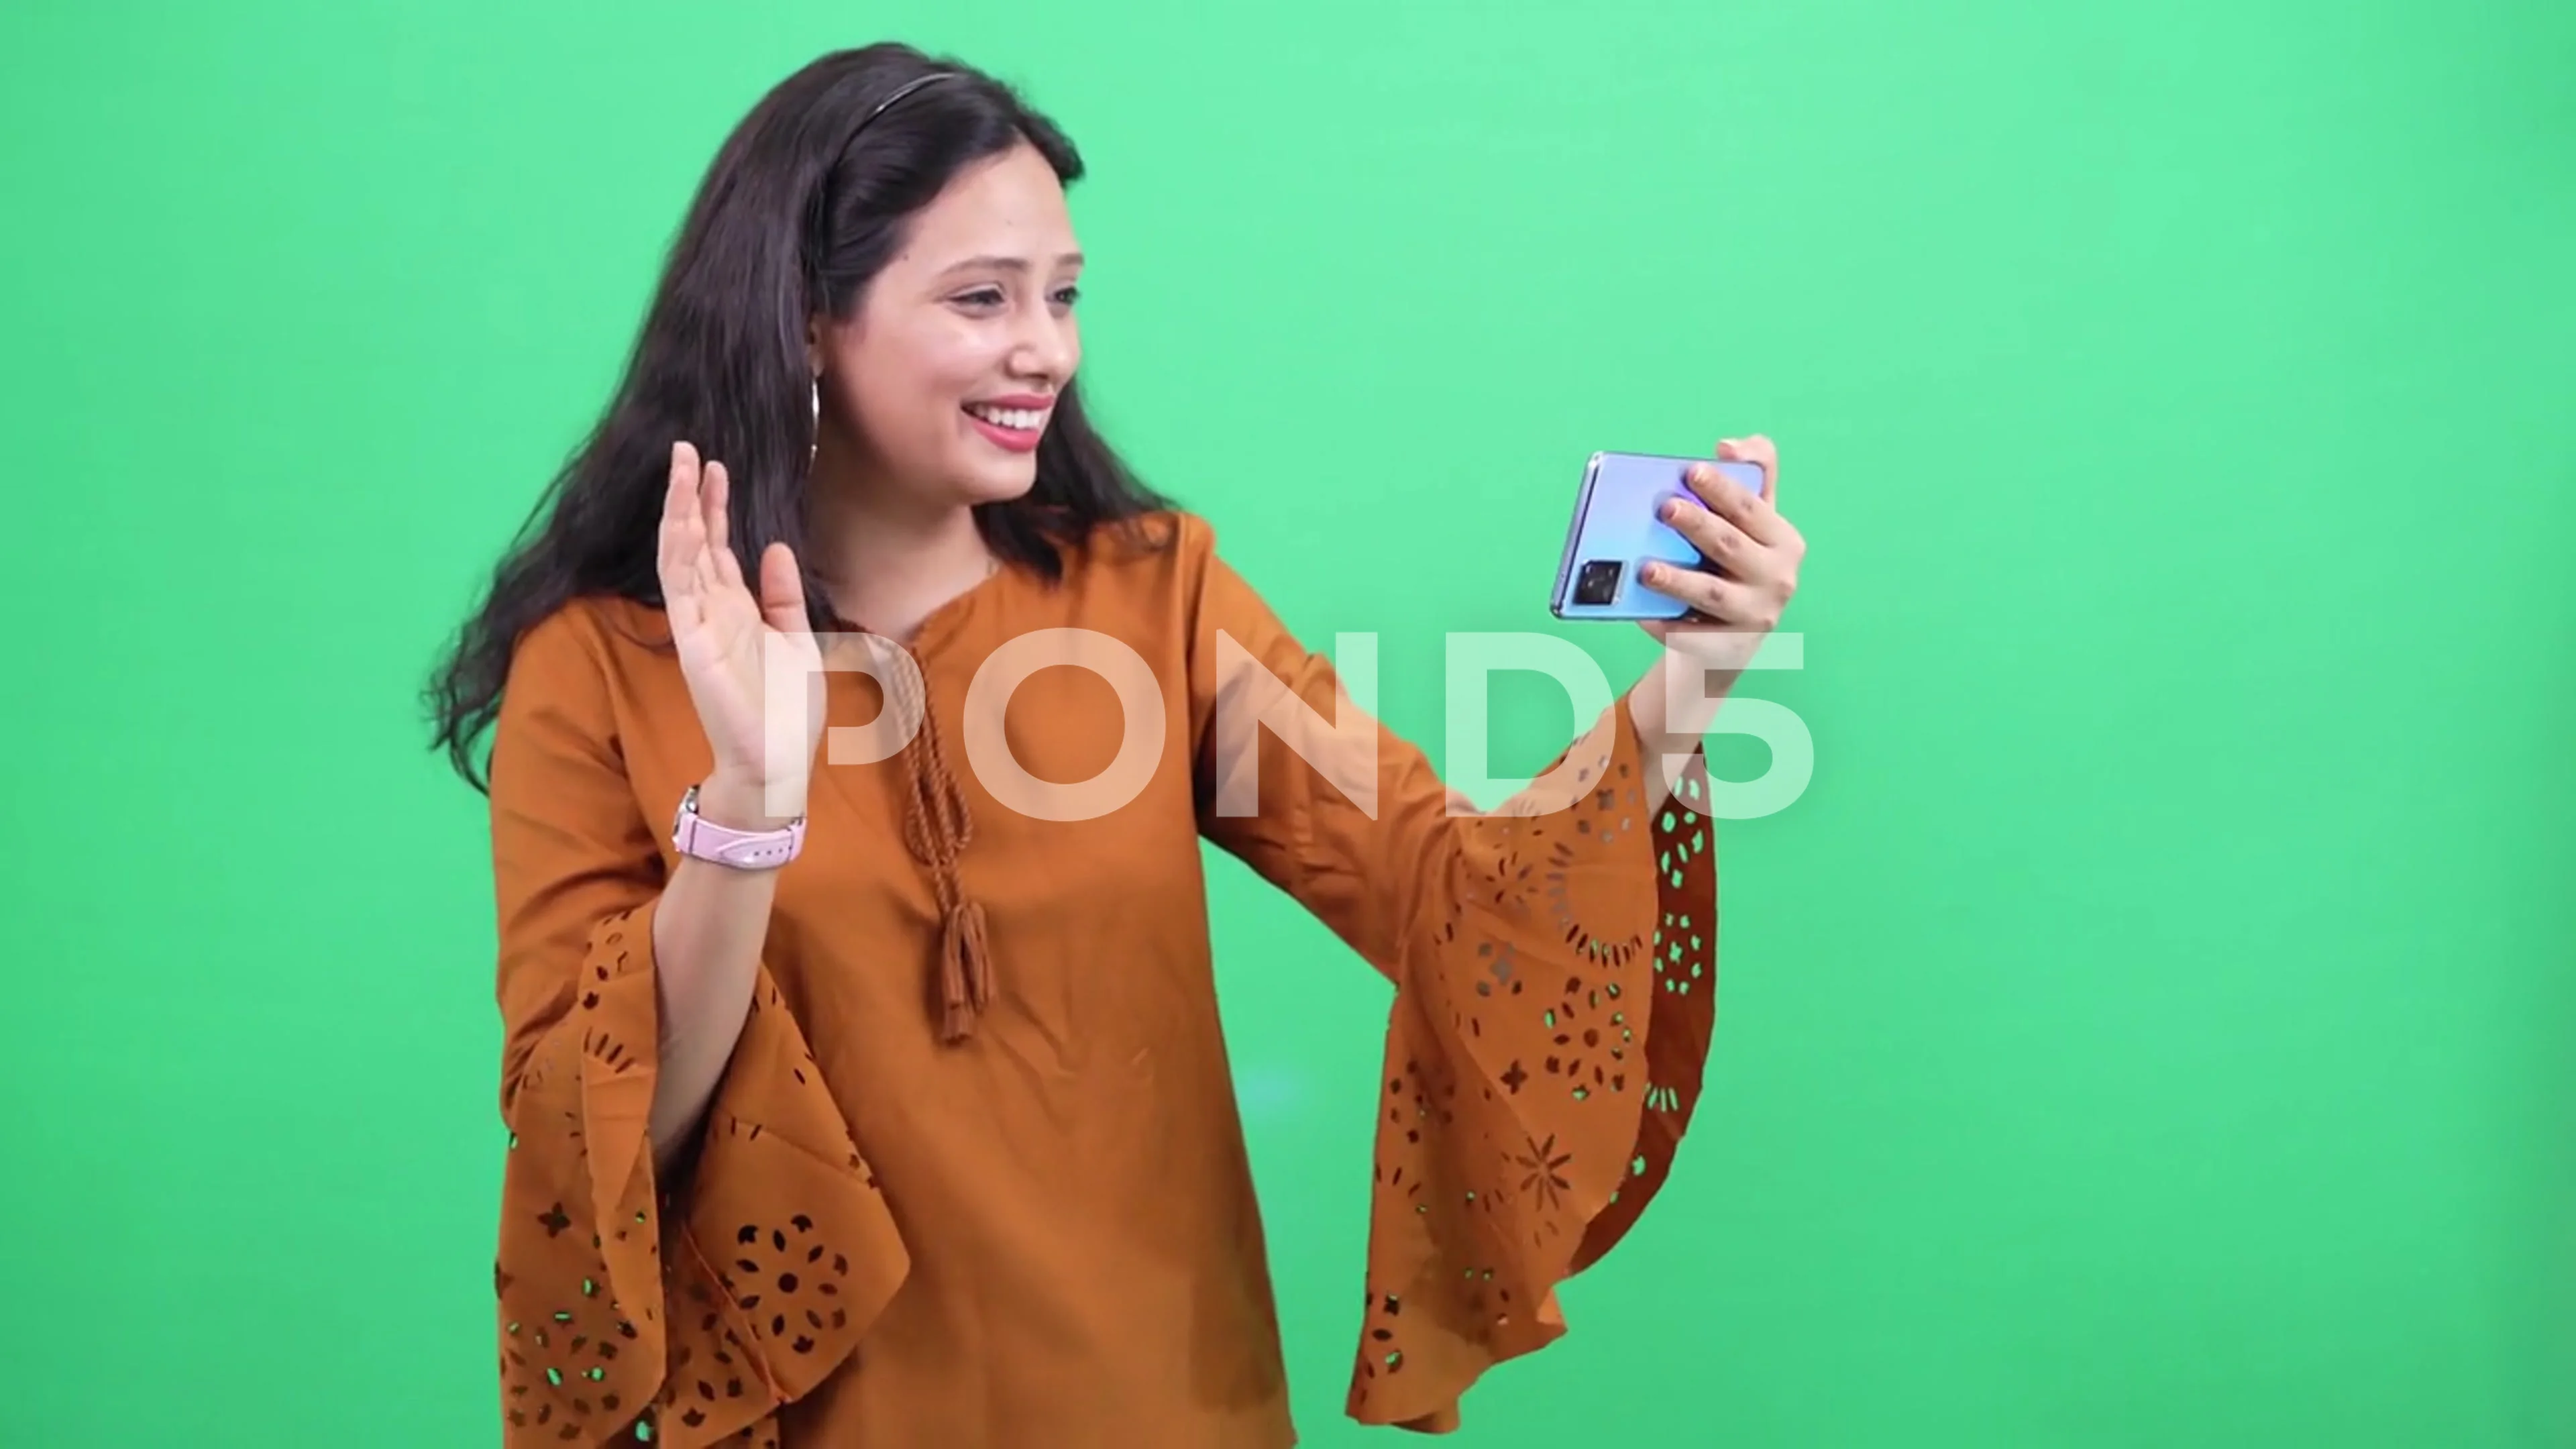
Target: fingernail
[[1652, 573], [1670, 509]]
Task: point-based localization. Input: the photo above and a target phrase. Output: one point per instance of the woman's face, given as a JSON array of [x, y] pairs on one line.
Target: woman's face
[[942, 381]]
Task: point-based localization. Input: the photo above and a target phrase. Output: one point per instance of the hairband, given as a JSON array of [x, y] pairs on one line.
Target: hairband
[[907, 88], [817, 205]]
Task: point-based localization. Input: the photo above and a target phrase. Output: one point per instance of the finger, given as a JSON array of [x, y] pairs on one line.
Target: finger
[[680, 543], [727, 568], [1776, 532], [1748, 510], [667, 556], [1724, 497], [782, 591], [721, 568], [1758, 450], [1725, 544], [718, 491], [1722, 601]]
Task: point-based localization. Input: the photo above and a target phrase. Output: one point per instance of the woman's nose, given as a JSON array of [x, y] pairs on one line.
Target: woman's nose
[[1046, 347]]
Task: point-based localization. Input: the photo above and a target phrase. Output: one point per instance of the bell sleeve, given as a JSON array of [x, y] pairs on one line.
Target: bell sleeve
[[1554, 963], [628, 1312]]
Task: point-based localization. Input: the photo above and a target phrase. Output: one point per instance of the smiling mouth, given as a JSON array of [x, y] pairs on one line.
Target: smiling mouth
[[1017, 420]]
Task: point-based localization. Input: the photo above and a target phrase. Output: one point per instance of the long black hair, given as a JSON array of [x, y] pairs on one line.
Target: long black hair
[[794, 217]]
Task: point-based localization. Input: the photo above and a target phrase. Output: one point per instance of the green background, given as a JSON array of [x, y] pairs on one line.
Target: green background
[[2152, 1027]]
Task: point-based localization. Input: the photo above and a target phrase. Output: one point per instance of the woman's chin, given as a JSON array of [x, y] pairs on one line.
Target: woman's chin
[[998, 482]]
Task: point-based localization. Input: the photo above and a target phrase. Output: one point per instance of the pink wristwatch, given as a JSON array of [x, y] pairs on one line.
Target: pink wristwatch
[[695, 835]]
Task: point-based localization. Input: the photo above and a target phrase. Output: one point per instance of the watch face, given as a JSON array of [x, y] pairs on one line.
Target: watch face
[[688, 807]]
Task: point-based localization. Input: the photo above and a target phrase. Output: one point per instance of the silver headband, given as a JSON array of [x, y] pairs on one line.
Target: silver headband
[[881, 107]]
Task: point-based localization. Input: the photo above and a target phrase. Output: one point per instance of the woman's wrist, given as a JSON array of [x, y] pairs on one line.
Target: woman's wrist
[[738, 800], [1677, 700]]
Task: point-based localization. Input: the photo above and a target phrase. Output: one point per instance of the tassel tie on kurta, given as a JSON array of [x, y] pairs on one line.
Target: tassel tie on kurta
[[936, 827]]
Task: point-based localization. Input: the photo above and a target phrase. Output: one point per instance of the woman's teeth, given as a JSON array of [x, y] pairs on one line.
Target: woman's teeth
[[1019, 419]]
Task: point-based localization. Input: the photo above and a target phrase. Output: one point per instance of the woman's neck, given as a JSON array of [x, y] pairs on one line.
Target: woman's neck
[[889, 565]]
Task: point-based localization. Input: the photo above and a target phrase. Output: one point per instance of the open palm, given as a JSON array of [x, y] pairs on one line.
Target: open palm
[[730, 641]]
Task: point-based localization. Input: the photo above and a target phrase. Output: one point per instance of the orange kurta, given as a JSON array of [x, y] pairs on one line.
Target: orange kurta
[[1045, 1233]]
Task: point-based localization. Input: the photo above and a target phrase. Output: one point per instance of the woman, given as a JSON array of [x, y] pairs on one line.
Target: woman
[[851, 1104]]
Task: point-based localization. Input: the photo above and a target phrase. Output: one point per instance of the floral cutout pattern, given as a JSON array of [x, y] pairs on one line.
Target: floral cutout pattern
[[761, 1295], [1542, 1065]]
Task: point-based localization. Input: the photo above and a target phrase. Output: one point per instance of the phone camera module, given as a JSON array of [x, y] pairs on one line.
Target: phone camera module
[[1598, 583]]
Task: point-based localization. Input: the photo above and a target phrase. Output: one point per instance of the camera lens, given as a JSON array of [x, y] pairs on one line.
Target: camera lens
[[1598, 583]]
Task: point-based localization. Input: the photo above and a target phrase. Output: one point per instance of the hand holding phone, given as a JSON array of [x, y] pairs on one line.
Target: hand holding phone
[[1618, 529]]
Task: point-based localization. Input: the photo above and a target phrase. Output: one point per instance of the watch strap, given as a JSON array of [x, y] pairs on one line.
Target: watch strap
[[695, 835]]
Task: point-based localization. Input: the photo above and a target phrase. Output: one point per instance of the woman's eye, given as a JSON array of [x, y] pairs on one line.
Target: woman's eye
[[989, 297]]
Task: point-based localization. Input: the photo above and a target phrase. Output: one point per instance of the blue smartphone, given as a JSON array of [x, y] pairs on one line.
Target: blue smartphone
[[1615, 530]]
